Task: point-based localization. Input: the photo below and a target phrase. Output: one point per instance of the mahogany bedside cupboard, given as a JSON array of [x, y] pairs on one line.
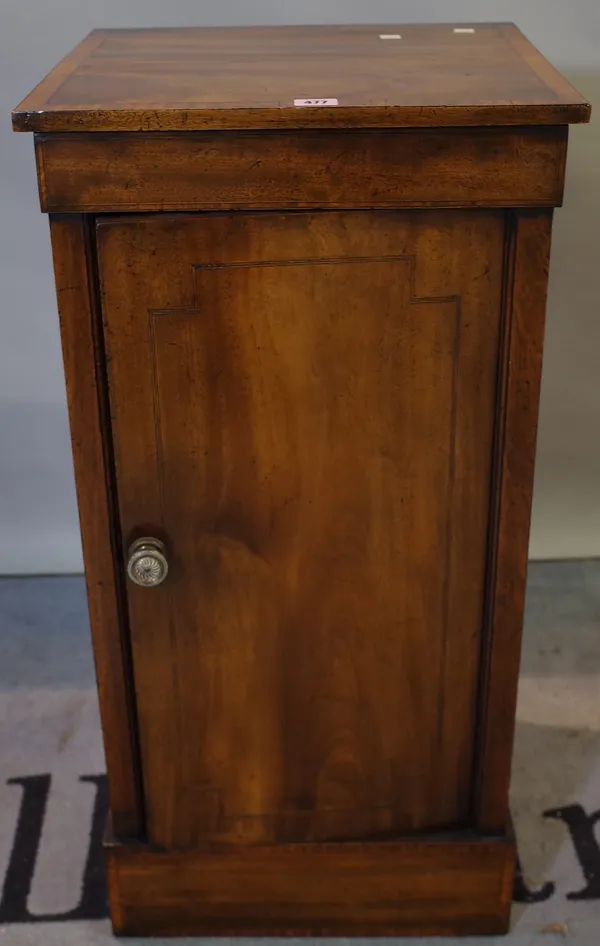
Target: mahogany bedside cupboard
[[301, 276]]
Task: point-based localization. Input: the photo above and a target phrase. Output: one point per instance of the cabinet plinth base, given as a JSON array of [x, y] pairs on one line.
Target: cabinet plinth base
[[420, 887]]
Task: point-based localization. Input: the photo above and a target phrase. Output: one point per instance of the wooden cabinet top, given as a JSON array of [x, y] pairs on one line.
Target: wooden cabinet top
[[190, 79]]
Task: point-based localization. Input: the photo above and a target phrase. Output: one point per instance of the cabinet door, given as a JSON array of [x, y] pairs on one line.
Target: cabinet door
[[303, 408]]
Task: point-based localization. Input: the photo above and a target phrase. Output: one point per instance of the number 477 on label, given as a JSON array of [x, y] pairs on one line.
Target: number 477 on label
[[304, 103]]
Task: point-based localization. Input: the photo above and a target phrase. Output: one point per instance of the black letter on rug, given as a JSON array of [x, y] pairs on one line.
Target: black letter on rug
[[581, 828], [522, 893], [21, 866], [19, 874]]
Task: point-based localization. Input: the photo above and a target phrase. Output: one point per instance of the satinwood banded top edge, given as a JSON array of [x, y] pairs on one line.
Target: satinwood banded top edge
[[194, 78]]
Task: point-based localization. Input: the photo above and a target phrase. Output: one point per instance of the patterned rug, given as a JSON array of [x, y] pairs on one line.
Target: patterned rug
[[53, 791]]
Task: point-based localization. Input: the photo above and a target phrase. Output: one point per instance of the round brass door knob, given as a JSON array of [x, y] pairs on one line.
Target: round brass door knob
[[147, 565]]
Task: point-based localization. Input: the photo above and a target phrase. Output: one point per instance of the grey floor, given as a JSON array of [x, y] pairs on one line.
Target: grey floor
[[49, 736]]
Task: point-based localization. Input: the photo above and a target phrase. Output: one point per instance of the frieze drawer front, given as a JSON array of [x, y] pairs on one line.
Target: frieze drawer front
[[302, 347]]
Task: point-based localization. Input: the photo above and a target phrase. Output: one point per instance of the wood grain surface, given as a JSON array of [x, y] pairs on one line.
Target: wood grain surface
[[460, 886], [303, 410], [519, 390], [489, 167], [199, 78], [81, 335]]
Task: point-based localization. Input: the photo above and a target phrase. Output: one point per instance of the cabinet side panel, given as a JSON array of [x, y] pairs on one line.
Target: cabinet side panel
[[520, 371], [83, 363]]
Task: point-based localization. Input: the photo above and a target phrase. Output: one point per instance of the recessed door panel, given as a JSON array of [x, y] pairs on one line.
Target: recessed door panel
[[303, 410]]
